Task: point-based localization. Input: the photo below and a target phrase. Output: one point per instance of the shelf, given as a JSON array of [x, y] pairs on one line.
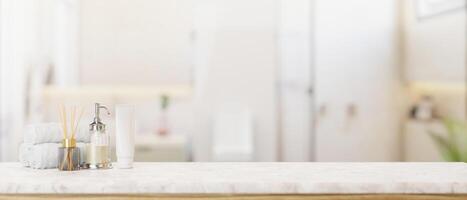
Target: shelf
[[142, 92]]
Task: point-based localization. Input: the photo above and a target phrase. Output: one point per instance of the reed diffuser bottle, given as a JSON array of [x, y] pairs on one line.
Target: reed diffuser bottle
[[98, 151], [68, 154]]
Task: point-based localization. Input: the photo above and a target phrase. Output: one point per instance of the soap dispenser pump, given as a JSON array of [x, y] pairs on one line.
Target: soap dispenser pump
[[98, 151]]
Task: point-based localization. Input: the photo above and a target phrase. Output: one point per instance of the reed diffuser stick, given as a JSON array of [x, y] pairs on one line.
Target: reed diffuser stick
[[62, 122], [65, 130], [70, 157], [72, 122], [75, 128]]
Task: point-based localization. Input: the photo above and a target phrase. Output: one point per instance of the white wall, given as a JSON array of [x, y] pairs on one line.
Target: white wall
[[434, 47], [236, 63], [66, 40], [435, 58], [18, 53], [143, 42], [356, 64]]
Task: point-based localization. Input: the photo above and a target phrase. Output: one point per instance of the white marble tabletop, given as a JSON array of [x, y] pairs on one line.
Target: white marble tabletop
[[242, 178]]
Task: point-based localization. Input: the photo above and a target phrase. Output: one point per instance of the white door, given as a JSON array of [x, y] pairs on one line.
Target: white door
[[295, 79], [356, 80]]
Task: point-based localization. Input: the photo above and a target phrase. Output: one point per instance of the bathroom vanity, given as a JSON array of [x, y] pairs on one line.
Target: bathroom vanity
[[240, 181]]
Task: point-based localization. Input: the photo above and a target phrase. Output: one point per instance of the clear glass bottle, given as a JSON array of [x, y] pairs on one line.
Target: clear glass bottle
[[98, 150]]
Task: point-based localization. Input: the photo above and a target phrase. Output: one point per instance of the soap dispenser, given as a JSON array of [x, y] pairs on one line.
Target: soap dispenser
[[98, 151]]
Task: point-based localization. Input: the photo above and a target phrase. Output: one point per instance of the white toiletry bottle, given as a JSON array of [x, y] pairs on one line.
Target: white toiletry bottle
[[125, 135], [98, 151]]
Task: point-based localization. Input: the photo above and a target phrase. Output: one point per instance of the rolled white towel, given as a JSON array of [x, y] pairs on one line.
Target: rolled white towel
[[52, 133], [43, 156]]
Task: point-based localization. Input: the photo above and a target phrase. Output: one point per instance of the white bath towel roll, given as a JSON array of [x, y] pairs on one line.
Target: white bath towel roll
[[43, 156], [52, 133]]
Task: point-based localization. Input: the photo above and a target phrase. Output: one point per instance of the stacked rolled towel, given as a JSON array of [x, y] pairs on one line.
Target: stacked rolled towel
[[51, 133], [39, 149]]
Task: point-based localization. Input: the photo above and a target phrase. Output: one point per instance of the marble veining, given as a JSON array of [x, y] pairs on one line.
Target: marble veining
[[242, 178]]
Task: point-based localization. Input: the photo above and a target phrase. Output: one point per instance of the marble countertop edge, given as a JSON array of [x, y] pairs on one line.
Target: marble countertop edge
[[242, 178]]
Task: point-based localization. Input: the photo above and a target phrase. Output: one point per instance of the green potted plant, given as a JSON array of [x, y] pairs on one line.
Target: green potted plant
[[452, 147], [163, 118]]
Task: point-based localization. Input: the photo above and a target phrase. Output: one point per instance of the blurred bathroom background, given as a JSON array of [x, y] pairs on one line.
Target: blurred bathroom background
[[242, 80]]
